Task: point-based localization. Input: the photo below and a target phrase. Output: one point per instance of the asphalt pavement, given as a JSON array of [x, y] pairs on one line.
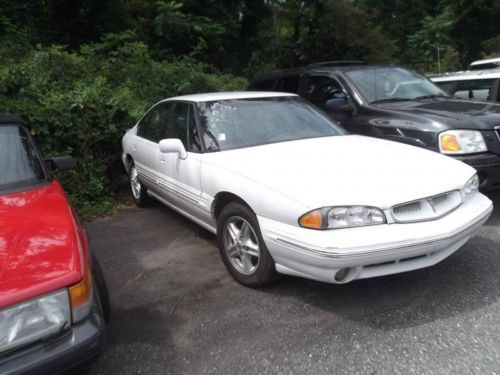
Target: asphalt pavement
[[176, 310]]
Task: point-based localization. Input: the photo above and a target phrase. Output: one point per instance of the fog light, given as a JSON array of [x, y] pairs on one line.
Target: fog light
[[341, 274]]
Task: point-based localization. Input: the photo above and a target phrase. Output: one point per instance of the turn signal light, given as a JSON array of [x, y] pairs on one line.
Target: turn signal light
[[311, 220], [80, 296], [449, 143]]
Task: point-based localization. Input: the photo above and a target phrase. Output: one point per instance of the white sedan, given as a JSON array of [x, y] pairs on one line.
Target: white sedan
[[286, 190]]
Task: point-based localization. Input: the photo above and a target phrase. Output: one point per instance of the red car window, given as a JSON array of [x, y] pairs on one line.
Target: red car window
[[19, 163]]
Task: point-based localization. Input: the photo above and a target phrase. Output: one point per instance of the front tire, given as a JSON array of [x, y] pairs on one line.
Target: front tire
[[137, 189], [242, 247]]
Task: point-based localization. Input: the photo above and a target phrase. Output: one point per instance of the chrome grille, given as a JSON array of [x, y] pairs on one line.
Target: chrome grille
[[429, 208], [407, 208]]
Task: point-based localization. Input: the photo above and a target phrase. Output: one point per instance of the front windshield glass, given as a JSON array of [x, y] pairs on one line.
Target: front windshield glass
[[238, 123], [392, 84], [19, 163]]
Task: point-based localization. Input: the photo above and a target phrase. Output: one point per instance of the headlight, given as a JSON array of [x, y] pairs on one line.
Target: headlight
[[34, 320], [461, 142], [342, 217], [471, 187]]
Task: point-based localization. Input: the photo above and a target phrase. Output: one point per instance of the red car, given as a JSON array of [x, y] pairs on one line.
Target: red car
[[53, 297]]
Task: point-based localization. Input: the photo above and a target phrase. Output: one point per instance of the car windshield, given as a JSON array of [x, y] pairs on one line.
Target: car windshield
[[19, 163], [238, 123], [392, 84]]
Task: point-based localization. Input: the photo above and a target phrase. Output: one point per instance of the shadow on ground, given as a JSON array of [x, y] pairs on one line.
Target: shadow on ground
[[175, 305]]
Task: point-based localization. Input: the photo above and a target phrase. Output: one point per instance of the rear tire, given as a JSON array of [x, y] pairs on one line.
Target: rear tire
[[242, 247], [137, 189]]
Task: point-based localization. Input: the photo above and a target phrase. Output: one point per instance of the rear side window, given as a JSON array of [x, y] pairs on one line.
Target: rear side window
[[152, 125], [264, 85], [289, 84]]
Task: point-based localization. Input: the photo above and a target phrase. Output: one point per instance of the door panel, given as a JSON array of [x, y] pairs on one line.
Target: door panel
[[145, 161], [180, 182], [145, 146]]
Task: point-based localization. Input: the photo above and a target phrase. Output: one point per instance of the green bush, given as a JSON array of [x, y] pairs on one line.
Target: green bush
[[80, 103]]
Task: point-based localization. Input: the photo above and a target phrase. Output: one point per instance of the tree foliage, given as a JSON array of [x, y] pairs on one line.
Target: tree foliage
[[83, 72], [81, 102], [434, 34]]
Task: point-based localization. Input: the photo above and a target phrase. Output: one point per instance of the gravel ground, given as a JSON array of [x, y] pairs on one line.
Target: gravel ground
[[175, 309]]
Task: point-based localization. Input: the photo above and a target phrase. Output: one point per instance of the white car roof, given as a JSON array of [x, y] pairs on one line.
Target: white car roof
[[487, 61], [229, 95], [467, 75]]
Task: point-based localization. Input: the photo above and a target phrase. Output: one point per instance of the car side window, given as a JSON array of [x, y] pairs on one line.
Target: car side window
[[143, 125], [289, 84], [264, 85], [473, 89], [182, 125], [152, 125], [320, 89]]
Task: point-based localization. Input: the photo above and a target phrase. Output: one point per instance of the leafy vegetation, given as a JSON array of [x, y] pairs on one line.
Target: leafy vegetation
[[81, 102], [83, 73]]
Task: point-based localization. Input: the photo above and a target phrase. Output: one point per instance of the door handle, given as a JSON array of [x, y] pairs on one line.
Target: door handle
[[134, 147], [162, 161]]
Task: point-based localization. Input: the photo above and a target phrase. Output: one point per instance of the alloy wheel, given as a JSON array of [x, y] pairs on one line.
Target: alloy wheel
[[135, 184], [241, 245]]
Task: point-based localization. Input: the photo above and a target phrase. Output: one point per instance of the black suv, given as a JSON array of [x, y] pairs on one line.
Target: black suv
[[390, 102]]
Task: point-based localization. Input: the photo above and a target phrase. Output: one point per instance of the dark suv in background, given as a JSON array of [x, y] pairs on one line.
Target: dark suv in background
[[390, 102]]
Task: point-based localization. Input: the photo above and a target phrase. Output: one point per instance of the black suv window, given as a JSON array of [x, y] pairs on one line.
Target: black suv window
[[264, 85], [152, 125], [19, 162], [322, 88], [288, 84], [183, 126]]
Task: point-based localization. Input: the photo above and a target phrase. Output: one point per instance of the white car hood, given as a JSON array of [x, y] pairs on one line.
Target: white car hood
[[345, 170]]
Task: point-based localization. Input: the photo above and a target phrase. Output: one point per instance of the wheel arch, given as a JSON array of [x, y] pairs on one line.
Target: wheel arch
[[128, 161], [222, 199]]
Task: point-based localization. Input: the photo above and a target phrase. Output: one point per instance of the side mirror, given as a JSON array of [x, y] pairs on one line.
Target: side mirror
[[339, 104], [61, 163], [173, 145]]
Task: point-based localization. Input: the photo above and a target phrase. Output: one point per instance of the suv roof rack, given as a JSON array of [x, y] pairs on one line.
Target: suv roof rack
[[339, 63]]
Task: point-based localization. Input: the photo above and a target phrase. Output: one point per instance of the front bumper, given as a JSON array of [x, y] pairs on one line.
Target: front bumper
[[487, 166], [374, 250], [80, 344]]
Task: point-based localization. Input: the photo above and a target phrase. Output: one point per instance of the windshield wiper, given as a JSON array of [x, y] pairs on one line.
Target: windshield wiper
[[433, 96], [388, 100]]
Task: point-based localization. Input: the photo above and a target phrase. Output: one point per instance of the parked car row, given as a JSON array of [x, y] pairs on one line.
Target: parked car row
[[287, 187], [393, 103]]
